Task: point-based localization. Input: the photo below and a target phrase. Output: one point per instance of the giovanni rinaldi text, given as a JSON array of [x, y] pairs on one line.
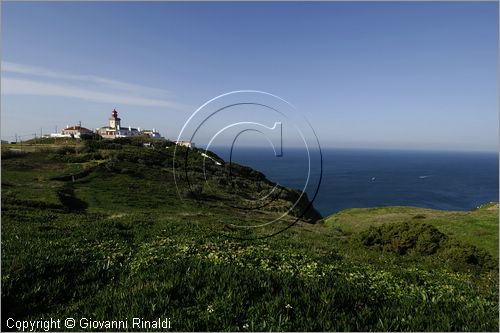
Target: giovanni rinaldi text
[[51, 324]]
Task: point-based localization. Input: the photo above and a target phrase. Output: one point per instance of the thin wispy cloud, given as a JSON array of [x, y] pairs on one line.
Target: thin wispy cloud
[[40, 81], [14, 86]]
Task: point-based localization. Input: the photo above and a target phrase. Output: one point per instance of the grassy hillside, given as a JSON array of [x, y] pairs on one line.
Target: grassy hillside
[[98, 230], [478, 227]]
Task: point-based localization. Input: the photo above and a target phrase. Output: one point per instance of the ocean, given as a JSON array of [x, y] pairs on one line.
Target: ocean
[[354, 178]]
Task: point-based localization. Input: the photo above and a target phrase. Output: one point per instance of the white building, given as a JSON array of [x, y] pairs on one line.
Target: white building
[[152, 134], [72, 132], [188, 144], [115, 130]]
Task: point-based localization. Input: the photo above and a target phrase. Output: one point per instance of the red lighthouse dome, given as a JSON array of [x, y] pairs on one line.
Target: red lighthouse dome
[[114, 114]]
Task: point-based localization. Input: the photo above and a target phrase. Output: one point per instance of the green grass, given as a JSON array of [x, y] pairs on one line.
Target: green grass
[[478, 227], [118, 242]]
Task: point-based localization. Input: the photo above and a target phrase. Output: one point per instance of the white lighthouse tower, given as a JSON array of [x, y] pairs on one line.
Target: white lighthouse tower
[[114, 121]]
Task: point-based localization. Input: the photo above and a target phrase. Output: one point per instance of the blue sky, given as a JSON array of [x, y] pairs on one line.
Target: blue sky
[[367, 75]]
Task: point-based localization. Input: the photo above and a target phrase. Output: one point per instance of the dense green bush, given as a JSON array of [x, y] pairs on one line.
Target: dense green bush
[[424, 239], [402, 238], [90, 137], [462, 255]]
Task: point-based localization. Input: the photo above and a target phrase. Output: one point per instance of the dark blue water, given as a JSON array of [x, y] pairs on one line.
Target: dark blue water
[[372, 178]]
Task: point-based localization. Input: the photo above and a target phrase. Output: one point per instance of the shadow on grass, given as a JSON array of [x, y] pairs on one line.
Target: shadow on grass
[[72, 204]]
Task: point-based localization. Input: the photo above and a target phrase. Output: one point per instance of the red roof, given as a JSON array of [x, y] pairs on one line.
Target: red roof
[[77, 128]]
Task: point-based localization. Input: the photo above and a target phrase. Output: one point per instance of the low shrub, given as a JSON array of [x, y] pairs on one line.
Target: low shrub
[[425, 239], [402, 238], [461, 255]]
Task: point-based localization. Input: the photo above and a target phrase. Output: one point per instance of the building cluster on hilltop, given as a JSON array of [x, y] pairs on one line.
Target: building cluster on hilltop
[[113, 130], [116, 130]]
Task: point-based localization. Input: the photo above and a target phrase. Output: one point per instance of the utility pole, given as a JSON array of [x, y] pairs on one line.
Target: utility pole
[[16, 137]]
